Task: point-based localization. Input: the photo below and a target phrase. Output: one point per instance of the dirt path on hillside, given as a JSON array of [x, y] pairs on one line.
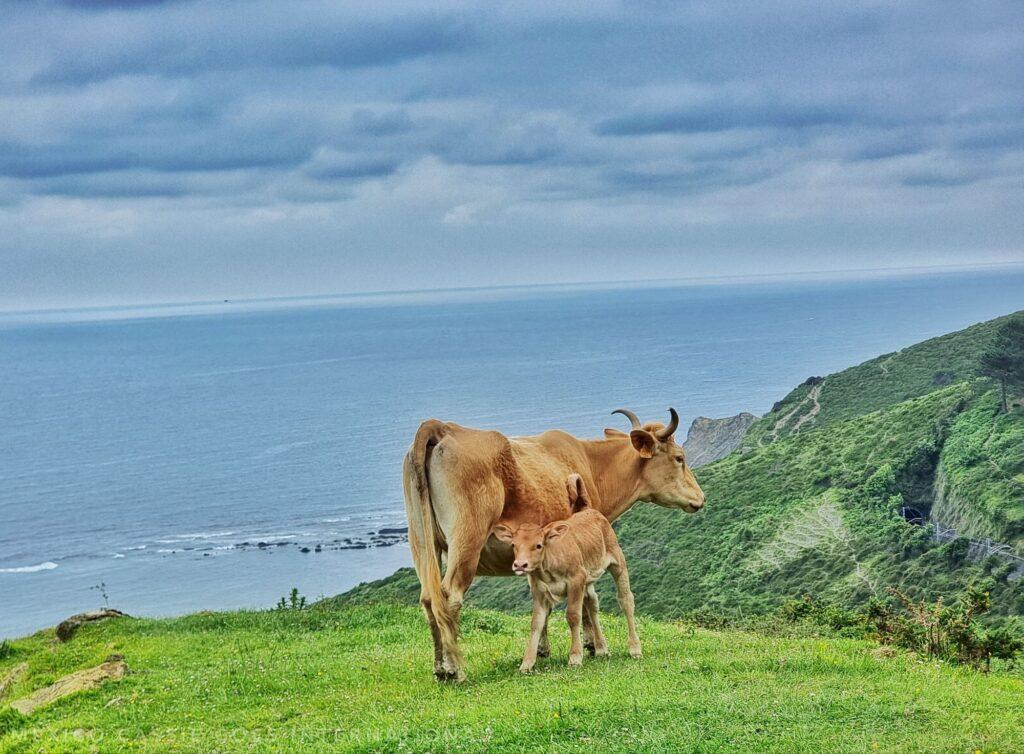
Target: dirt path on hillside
[[815, 407], [812, 395]]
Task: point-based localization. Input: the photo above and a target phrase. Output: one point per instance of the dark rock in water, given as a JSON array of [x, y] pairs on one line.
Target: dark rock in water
[[318, 548], [394, 530], [304, 549], [281, 544], [711, 439], [262, 544]]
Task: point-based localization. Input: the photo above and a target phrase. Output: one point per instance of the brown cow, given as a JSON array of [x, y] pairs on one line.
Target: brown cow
[[563, 560], [459, 481]]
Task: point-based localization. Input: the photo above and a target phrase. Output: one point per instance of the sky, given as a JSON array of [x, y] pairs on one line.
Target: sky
[[179, 150]]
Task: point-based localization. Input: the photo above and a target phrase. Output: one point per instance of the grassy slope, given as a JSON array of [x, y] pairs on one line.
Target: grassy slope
[[815, 512], [982, 489], [886, 380], [359, 679]]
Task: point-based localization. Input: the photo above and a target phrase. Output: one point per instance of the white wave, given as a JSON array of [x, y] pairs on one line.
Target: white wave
[[137, 547], [178, 538], [118, 555], [47, 566], [342, 519], [277, 450]]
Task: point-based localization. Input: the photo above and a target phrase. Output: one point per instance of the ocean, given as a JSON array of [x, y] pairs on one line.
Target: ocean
[[176, 458]]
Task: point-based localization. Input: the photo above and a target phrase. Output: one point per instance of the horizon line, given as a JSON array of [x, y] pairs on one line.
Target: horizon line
[[749, 279]]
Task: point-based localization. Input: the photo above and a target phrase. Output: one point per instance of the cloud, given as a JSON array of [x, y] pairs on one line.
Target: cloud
[[496, 139]]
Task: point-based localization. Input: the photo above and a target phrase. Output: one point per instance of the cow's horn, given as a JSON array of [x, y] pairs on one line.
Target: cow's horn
[[629, 415], [673, 423]]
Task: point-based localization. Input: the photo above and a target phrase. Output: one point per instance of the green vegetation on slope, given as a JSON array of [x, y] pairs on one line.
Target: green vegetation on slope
[[981, 489], [881, 382], [359, 679]]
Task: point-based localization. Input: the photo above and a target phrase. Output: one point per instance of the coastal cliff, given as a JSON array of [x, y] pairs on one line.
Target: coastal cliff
[[712, 439]]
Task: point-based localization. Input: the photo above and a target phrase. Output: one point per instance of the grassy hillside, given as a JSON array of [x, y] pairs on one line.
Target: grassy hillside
[[881, 382], [816, 512], [359, 679], [981, 479]]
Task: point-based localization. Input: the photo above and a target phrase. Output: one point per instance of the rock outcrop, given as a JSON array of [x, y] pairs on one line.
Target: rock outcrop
[[711, 439]]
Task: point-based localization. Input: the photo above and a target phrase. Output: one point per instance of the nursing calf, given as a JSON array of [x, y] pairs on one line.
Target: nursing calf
[[563, 560]]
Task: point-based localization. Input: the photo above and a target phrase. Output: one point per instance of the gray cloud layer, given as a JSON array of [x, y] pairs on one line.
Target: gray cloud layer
[[183, 149]]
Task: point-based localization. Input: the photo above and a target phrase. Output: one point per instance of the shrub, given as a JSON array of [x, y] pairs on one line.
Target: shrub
[[941, 631]]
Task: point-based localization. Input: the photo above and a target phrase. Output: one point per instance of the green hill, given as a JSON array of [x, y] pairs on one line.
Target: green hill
[[878, 383], [359, 680], [818, 510]]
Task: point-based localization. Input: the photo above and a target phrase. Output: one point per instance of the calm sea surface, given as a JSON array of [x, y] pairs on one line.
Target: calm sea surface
[[152, 451]]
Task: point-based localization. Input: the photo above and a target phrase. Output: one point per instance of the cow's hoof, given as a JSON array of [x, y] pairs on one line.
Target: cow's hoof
[[526, 669], [602, 652], [450, 676], [635, 653], [575, 661]]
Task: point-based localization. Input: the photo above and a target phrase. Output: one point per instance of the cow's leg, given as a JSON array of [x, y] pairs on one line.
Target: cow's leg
[[463, 559], [539, 621], [574, 616], [591, 606], [620, 573]]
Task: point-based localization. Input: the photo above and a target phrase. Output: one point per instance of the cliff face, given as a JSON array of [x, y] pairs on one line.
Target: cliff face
[[711, 439]]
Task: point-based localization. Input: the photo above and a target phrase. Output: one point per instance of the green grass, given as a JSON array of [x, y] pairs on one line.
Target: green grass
[[359, 679]]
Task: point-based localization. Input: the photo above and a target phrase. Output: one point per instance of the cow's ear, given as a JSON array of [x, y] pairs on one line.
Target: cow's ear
[[609, 432], [578, 496], [555, 530], [502, 532], [644, 442]]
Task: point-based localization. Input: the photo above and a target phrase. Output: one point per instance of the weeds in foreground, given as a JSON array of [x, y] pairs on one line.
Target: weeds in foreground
[[294, 601]]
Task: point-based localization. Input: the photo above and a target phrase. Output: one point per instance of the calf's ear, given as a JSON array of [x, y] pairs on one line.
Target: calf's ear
[[578, 496], [555, 530], [644, 442], [502, 532], [609, 432]]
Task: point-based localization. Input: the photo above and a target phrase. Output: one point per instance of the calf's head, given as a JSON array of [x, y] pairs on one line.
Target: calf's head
[[529, 543], [665, 477]]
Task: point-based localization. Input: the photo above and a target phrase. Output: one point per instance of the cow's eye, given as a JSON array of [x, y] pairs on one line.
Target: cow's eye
[[539, 546], [680, 460]]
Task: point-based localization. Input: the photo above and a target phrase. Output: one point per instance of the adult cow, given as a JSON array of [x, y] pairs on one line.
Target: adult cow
[[460, 481]]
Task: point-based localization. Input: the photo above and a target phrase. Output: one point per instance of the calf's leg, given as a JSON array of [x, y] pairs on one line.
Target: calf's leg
[[591, 605], [574, 616], [538, 623]]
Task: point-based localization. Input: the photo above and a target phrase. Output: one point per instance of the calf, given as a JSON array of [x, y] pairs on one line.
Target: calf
[[562, 561]]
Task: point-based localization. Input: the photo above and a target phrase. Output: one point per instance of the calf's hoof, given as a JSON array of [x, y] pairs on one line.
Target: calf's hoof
[[575, 661]]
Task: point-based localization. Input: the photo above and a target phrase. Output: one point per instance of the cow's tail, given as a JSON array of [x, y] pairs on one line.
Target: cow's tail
[[428, 566]]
